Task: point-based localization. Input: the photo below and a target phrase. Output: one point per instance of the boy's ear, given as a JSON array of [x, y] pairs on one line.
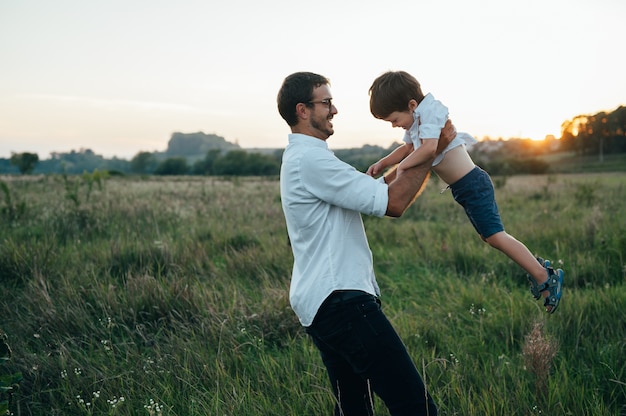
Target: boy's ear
[[412, 105]]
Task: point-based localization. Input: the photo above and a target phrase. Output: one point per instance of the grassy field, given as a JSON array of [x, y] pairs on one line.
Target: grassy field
[[572, 163], [169, 296]]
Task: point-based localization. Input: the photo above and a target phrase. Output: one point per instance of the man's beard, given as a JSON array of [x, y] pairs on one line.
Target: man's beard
[[322, 127]]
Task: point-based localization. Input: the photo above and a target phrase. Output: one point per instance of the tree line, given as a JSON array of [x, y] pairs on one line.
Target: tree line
[[597, 134], [215, 162]]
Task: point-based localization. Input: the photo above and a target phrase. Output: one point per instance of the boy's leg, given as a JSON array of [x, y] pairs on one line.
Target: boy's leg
[[519, 253], [475, 193]]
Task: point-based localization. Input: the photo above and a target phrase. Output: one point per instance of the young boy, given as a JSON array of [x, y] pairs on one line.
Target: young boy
[[397, 97]]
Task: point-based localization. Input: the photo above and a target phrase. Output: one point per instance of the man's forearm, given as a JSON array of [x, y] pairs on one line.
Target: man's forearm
[[390, 175], [406, 188]]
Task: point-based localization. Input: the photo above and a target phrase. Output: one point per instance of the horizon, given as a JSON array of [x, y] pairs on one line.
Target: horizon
[[119, 78], [84, 148]]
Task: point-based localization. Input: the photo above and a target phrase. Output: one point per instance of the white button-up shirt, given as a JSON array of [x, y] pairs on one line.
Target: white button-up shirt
[[322, 199], [430, 117]]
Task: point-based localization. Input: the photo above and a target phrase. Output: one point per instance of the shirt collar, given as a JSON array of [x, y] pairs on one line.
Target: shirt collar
[[308, 140], [413, 131]]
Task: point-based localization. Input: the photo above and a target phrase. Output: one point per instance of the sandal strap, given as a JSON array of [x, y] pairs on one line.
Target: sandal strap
[[552, 285], [555, 284]]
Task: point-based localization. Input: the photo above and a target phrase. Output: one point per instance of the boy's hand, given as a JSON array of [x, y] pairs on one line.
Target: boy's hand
[[375, 169]]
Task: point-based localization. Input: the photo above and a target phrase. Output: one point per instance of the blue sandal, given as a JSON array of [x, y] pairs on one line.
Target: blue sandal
[[553, 285]]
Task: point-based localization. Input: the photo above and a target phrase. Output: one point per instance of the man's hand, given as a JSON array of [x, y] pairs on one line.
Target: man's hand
[[448, 133], [400, 170]]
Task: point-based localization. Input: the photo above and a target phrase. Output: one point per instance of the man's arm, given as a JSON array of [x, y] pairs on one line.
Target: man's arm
[[407, 186]]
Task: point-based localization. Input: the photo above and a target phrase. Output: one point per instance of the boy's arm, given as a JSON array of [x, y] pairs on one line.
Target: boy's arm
[[405, 188], [424, 153], [391, 159]]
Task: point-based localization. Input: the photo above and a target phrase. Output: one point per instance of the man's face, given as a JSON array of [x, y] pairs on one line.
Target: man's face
[[322, 113]]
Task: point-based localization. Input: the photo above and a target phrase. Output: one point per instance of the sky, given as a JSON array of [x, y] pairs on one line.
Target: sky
[[120, 76]]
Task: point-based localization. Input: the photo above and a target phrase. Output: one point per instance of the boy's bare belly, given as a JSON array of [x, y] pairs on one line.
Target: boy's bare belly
[[455, 164]]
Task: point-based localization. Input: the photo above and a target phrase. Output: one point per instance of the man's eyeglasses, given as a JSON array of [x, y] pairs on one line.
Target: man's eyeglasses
[[327, 102]]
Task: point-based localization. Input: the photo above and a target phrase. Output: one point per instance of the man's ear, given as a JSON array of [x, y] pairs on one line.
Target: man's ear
[[302, 111]]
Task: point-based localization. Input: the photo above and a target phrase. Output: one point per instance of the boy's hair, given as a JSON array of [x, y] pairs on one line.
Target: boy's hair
[[297, 88], [392, 91]]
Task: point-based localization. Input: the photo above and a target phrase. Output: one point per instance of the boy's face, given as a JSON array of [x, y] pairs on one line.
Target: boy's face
[[402, 119]]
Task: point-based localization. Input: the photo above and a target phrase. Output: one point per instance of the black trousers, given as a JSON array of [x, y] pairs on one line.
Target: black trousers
[[363, 355]]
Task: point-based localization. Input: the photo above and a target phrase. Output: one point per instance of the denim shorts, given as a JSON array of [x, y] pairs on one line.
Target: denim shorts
[[475, 193]]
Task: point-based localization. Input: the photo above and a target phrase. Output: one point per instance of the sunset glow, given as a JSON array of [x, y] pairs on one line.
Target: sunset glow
[[120, 77]]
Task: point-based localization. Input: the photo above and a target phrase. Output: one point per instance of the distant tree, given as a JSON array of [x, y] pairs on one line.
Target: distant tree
[[232, 163], [600, 133], [79, 161], [25, 162], [6, 166], [143, 162], [242, 163], [264, 165], [362, 158], [206, 166], [173, 166]]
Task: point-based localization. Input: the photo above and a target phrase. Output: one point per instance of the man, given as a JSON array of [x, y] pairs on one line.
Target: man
[[333, 288]]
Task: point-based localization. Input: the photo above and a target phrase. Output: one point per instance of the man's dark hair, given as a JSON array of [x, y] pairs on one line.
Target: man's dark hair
[[297, 88]]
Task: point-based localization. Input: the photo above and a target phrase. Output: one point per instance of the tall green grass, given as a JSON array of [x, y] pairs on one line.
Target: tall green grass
[[170, 297]]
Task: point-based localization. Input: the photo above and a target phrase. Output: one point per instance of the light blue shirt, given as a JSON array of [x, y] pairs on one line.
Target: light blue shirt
[[429, 118], [323, 199]]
